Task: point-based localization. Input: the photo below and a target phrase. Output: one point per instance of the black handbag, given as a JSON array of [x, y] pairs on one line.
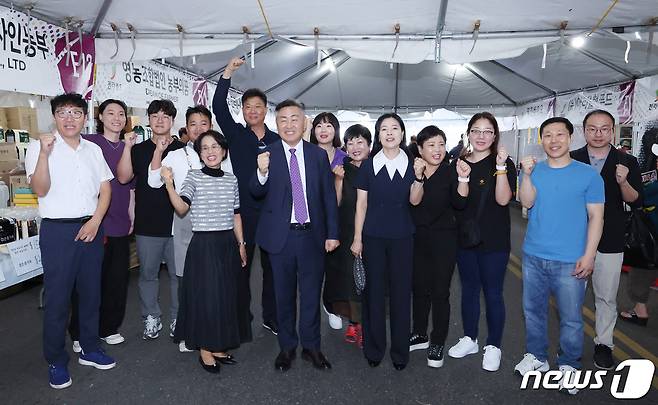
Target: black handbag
[[640, 245], [359, 271], [469, 229]]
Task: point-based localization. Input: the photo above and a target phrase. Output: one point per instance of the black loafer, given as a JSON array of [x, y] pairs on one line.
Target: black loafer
[[227, 360], [214, 369], [317, 358], [399, 366], [284, 360], [373, 363]]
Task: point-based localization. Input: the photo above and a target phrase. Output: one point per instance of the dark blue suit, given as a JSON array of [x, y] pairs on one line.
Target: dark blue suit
[[297, 254]]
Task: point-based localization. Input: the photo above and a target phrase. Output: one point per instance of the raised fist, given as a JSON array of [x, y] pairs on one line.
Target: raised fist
[[130, 139], [463, 168], [264, 163], [528, 164], [47, 142], [501, 157], [419, 167], [339, 171]]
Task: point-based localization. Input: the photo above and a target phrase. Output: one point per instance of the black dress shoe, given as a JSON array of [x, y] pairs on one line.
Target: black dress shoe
[[317, 358], [284, 360], [214, 369], [227, 359], [399, 366], [271, 326], [373, 363]]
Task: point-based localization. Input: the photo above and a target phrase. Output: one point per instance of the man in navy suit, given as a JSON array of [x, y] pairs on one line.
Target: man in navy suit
[[297, 225]]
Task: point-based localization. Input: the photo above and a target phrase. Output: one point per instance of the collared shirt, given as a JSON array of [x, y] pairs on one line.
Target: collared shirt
[[399, 163], [299, 153], [75, 178], [180, 161]]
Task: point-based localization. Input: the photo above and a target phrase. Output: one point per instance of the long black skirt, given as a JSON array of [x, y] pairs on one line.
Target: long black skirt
[[208, 316]]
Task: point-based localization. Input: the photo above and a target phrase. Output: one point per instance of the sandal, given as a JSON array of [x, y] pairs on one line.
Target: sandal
[[633, 318]]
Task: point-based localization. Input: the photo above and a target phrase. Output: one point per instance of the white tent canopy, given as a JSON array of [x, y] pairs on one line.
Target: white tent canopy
[[357, 41]]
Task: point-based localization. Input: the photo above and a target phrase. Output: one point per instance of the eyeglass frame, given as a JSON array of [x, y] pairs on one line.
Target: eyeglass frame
[[488, 133], [75, 114], [602, 130]]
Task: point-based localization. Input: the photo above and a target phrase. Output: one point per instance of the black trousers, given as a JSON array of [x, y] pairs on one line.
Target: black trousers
[[435, 254], [114, 289], [388, 264]]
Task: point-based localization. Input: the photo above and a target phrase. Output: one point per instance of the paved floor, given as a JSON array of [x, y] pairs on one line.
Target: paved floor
[[155, 372]]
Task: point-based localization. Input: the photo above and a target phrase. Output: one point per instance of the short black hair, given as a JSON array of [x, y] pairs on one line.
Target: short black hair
[[164, 105], [254, 93], [377, 144], [182, 131], [198, 109], [101, 108], [289, 103], [428, 132], [330, 119], [356, 131], [72, 99], [219, 138], [595, 112], [556, 120]]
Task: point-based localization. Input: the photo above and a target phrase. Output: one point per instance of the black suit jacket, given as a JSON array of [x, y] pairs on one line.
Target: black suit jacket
[[274, 222], [614, 225]]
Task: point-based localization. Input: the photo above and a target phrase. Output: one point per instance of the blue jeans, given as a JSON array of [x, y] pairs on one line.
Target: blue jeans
[[541, 278], [483, 272]]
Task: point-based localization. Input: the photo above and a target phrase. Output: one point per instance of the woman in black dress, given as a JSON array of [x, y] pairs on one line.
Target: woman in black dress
[[208, 318], [434, 200], [339, 289]]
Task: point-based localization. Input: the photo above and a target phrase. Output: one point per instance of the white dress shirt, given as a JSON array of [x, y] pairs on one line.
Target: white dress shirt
[[75, 178], [299, 153], [400, 163], [180, 161]]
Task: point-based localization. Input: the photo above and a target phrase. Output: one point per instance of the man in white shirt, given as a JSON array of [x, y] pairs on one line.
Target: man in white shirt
[[72, 180]]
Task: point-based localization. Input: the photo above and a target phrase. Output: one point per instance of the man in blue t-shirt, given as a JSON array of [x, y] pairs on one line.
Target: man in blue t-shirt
[[565, 200]]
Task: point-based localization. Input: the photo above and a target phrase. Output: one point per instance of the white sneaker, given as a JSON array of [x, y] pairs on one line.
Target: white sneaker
[[335, 321], [464, 347], [491, 358], [152, 327], [568, 380], [76, 346], [114, 339], [182, 348], [530, 363]]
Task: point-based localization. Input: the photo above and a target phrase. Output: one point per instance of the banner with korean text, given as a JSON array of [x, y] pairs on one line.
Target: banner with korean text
[[40, 58]]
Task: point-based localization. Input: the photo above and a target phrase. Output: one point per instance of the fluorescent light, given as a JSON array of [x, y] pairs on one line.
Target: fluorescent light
[[578, 42], [637, 36]]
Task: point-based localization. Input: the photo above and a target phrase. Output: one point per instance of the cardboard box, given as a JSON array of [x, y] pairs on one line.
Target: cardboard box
[[17, 181], [8, 152], [131, 122], [24, 118], [7, 168], [3, 119]]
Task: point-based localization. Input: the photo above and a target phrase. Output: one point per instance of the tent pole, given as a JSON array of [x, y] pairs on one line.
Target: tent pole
[[485, 81], [321, 78], [260, 48], [33, 13], [440, 25], [605, 63], [567, 92], [519, 75], [397, 87], [101, 16], [299, 73]]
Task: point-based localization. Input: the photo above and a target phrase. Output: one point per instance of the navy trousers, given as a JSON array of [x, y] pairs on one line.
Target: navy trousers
[[301, 261], [389, 264], [68, 264]]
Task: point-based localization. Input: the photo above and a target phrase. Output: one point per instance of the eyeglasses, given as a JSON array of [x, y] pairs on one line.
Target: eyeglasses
[[75, 114], [593, 130], [261, 145], [487, 132], [215, 147]]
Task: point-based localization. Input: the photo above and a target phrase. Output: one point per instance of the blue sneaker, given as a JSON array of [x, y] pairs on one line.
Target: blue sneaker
[[98, 359], [59, 376]]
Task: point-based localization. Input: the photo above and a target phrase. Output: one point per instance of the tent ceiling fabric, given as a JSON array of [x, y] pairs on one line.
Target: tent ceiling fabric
[[358, 76]]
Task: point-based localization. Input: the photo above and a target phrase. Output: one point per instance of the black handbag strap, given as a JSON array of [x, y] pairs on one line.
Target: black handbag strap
[[483, 197]]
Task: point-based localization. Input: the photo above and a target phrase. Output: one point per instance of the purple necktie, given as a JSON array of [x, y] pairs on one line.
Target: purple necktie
[[298, 201]]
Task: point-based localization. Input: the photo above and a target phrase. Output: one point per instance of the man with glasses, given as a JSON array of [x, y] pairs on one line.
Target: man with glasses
[[621, 177], [153, 215], [72, 180], [245, 143]]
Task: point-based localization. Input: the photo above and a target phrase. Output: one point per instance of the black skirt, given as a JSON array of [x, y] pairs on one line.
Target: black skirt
[[209, 317]]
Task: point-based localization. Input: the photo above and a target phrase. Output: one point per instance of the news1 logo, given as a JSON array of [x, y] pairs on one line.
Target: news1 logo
[[635, 385]]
